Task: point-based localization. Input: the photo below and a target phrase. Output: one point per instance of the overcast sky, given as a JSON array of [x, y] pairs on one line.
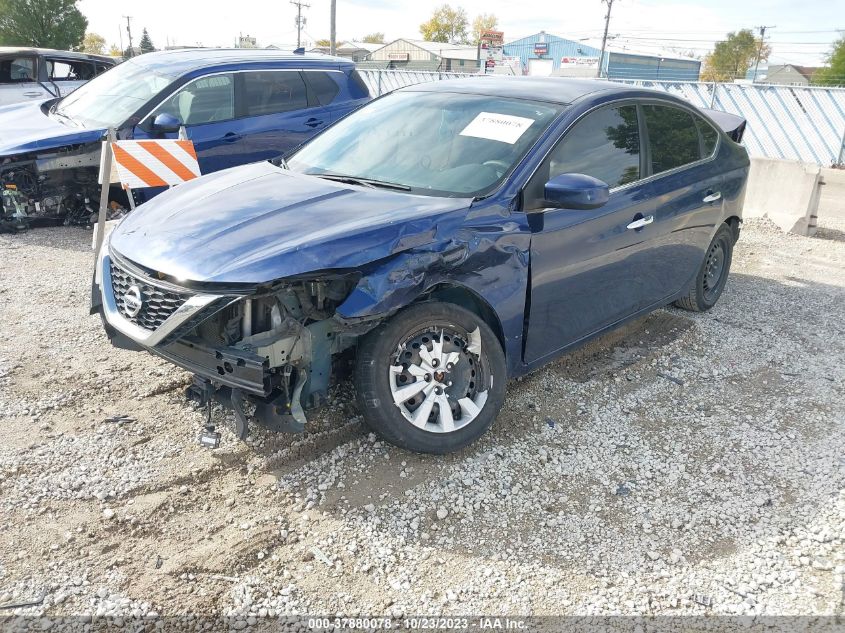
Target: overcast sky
[[803, 33]]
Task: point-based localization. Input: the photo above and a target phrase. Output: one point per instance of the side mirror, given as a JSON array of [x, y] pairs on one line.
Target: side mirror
[[576, 191], [165, 122]]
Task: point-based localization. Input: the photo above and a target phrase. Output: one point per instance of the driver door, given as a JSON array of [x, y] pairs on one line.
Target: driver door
[[589, 270], [206, 107]]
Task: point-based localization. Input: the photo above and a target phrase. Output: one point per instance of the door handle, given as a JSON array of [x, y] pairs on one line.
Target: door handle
[[712, 197], [231, 137], [33, 94], [638, 224], [312, 122]]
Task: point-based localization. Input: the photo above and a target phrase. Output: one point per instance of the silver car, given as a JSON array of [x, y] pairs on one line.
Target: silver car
[[35, 74]]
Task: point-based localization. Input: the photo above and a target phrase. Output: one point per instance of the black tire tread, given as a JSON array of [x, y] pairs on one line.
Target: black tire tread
[[694, 300], [384, 419]]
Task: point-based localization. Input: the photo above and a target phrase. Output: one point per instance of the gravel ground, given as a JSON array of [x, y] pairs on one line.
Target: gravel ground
[[688, 464]]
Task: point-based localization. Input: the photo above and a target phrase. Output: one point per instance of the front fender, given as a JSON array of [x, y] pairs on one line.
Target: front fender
[[491, 262]]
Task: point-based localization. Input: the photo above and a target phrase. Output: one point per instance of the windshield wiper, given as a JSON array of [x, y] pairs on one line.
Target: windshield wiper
[[64, 116], [366, 182]]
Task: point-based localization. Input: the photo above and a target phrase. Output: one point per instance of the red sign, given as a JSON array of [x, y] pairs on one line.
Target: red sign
[[492, 38], [541, 48]]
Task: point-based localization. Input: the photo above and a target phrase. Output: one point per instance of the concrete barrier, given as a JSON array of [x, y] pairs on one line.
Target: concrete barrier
[[832, 202], [785, 191]]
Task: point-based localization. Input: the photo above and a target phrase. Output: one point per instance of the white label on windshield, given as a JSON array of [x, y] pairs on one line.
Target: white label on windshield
[[497, 127]]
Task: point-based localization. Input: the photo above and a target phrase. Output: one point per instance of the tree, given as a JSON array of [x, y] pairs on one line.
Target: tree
[[44, 23], [483, 22], [732, 57], [374, 38], [114, 51], [446, 25], [323, 43], [833, 74], [93, 44], [146, 44]]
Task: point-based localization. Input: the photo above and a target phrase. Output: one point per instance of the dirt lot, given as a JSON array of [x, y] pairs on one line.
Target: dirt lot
[[690, 464]]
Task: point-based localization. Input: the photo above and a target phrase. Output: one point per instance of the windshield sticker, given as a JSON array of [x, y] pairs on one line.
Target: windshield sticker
[[497, 127]]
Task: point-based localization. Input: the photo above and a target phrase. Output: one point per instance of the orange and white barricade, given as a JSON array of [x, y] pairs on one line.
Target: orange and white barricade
[[155, 163], [139, 164]]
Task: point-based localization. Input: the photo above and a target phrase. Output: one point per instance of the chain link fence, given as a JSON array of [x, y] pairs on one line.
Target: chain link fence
[[791, 122], [383, 81]]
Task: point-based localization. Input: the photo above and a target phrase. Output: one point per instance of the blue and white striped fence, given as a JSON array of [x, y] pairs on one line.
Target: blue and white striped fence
[[791, 122]]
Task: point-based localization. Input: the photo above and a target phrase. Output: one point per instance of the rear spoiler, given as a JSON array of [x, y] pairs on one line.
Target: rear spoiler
[[733, 125]]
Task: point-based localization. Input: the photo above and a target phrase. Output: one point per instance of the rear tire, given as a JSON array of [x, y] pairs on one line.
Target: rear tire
[[713, 274], [431, 379]]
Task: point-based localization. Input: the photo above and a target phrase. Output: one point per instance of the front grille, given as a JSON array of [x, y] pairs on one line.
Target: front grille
[[157, 303]]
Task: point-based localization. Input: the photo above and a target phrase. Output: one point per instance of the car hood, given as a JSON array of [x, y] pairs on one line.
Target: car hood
[[258, 223], [25, 128]]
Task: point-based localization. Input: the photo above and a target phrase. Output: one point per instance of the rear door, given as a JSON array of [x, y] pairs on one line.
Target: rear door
[[687, 185], [277, 112], [18, 79]]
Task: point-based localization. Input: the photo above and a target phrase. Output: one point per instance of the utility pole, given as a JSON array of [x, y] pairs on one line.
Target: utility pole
[[333, 28], [760, 49], [300, 21], [604, 37], [129, 33]]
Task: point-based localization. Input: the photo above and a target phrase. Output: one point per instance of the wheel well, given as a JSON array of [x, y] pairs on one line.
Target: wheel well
[[734, 222], [468, 299]]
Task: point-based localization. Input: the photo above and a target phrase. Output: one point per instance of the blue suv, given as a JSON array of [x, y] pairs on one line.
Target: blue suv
[[445, 238], [238, 106]]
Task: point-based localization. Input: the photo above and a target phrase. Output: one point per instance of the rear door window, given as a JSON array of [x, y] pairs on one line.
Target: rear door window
[[323, 88], [272, 92], [69, 70], [15, 70], [673, 137], [205, 100]]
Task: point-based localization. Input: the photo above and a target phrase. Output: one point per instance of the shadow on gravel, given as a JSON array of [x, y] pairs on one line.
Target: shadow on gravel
[[830, 234], [693, 471]]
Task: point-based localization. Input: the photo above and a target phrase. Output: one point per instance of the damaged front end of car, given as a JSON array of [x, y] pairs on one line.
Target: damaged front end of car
[[265, 352], [57, 186]]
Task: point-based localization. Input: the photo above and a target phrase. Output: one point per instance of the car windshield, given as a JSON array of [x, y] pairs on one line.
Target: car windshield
[[111, 98], [430, 143]]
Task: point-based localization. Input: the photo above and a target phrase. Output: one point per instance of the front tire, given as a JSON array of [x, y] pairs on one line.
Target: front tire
[[713, 274], [431, 379]]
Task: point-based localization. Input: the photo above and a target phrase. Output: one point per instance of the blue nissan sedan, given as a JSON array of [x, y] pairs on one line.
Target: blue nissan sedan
[[445, 238], [237, 106]]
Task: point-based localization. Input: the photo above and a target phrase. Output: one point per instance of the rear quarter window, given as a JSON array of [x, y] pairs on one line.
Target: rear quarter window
[[709, 137], [358, 86]]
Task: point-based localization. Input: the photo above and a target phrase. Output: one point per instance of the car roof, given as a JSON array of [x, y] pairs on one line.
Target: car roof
[[560, 90], [14, 50], [189, 59]]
